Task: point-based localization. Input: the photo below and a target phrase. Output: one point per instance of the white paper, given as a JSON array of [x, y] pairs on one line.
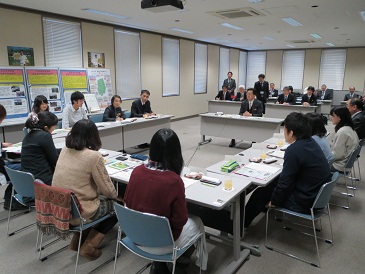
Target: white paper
[[188, 182]]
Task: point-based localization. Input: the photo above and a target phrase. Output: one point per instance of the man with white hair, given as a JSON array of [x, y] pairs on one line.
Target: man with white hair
[[241, 94]]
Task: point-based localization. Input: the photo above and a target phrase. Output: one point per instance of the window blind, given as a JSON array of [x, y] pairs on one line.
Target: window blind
[[224, 65], [242, 68], [170, 67], [201, 68], [332, 68], [292, 69], [256, 64]]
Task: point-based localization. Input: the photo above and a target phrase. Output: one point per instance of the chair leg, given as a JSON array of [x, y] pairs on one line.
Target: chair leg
[[11, 202], [116, 251], [329, 218], [40, 247], [78, 249], [315, 240]]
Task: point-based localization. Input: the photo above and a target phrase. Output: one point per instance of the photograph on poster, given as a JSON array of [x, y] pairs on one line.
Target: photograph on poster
[[96, 60], [20, 56]]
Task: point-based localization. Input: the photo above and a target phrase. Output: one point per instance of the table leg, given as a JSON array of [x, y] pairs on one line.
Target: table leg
[[204, 141]]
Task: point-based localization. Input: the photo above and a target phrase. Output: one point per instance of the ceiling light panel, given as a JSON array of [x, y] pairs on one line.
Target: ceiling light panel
[[106, 13], [291, 22], [227, 25]]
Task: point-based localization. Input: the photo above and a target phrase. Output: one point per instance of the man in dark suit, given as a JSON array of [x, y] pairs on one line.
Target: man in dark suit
[[355, 107], [142, 107], [324, 93], [261, 90], [351, 94], [230, 83], [241, 94], [286, 98], [305, 170], [224, 94], [309, 99], [249, 107], [272, 91]]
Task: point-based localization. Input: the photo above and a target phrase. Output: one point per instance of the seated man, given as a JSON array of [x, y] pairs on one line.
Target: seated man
[[224, 94], [305, 170], [241, 94], [351, 94], [355, 106], [142, 107], [309, 99], [286, 98], [249, 107], [75, 112], [272, 91]]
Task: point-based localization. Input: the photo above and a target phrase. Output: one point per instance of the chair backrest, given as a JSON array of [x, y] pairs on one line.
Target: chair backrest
[[362, 142], [127, 114], [75, 208], [22, 182], [324, 194], [96, 118], [59, 124], [353, 157], [144, 229]]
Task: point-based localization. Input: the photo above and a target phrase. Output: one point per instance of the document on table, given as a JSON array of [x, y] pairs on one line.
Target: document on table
[[116, 166], [188, 182], [277, 154], [258, 171], [60, 131], [15, 148]]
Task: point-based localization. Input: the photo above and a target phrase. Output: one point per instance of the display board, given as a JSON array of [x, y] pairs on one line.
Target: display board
[[13, 92], [91, 102], [72, 79], [100, 84], [45, 81]]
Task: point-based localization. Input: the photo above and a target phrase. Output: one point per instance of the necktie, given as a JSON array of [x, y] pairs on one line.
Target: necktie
[[285, 98], [262, 85], [250, 105], [351, 94]]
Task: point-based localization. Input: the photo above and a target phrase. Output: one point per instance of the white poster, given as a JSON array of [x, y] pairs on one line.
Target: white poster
[[100, 83]]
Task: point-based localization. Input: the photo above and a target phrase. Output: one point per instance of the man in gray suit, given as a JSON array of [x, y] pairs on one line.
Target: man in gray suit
[[230, 83], [249, 107], [351, 94], [324, 93]]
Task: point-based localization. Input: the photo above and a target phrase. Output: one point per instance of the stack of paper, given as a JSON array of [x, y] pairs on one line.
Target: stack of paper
[[258, 171]]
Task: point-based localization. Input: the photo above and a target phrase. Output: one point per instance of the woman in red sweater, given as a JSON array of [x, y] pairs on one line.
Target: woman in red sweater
[[157, 188]]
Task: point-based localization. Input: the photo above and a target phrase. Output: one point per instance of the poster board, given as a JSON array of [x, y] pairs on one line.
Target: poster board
[[13, 92], [91, 102], [45, 81], [100, 84], [72, 79]]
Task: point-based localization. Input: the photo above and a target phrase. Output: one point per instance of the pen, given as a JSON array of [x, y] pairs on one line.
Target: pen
[[208, 185]]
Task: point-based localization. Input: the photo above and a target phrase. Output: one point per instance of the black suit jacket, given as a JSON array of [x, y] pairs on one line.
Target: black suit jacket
[[261, 92], [274, 93], [305, 170], [291, 99], [137, 109], [228, 96], [348, 96], [328, 93], [111, 113], [359, 124], [240, 97], [256, 109], [312, 101], [231, 86]]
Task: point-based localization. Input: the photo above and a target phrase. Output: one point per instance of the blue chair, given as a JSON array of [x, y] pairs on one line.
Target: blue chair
[[318, 210], [147, 230], [23, 185], [59, 124], [96, 118], [76, 214], [127, 114]]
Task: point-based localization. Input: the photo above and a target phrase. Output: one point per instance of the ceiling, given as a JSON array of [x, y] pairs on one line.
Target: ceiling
[[337, 21]]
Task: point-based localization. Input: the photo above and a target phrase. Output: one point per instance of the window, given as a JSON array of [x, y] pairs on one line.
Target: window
[[201, 68], [332, 68], [127, 64], [62, 43], [242, 68], [256, 64], [170, 67], [223, 65], [293, 69]]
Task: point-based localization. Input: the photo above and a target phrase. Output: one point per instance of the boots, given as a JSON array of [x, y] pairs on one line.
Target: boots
[[159, 268], [74, 244], [90, 248]]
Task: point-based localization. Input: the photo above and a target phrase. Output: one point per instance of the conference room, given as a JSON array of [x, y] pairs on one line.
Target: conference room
[[182, 58]]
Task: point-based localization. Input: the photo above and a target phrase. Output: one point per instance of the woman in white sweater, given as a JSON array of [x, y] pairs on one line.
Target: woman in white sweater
[[345, 139]]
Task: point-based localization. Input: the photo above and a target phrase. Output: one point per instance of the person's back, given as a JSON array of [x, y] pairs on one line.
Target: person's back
[[325, 146], [345, 141]]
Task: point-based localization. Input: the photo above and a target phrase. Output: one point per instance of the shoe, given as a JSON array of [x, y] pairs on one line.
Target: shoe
[[159, 268], [14, 206], [90, 248], [233, 143]]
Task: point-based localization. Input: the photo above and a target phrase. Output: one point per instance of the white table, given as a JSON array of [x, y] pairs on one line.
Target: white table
[[324, 106], [281, 111], [227, 107], [255, 129]]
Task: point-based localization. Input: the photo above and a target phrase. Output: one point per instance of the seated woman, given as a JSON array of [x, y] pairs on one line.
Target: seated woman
[[40, 104], [345, 138], [80, 168], [114, 112], [319, 133], [161, 178], [39, 154]]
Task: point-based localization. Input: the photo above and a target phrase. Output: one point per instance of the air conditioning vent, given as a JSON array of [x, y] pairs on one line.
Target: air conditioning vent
[[237, 13]]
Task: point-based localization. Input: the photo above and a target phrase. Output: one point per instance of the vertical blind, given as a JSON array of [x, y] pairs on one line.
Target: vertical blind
[[201, 68], [293, 69], [256, 64], [332, 68], [170, 67], [62, 43], [242, 68], [127, 64], [223, 65]]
